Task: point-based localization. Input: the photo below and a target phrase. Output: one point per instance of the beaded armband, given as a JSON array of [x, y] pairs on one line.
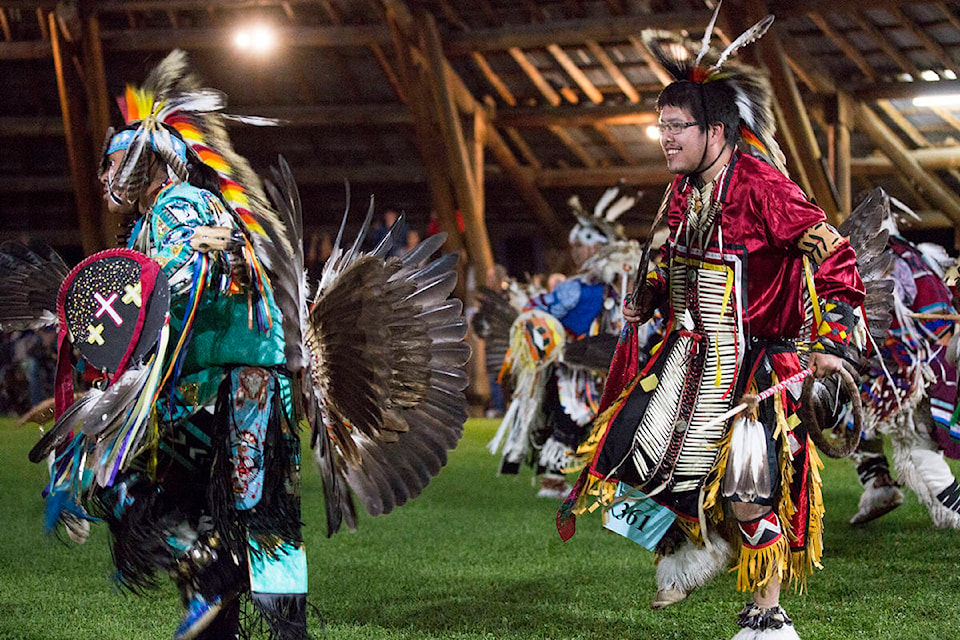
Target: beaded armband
[[837, 325]]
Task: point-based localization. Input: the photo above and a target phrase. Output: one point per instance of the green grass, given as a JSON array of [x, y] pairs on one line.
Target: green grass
[[477, 556]]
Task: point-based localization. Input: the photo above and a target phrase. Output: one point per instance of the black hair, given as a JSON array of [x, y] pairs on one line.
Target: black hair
[[708, 102]]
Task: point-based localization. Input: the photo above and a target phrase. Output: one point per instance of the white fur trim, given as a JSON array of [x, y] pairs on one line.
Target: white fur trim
[[910, 475], [786, 632], [876, 501], [690, 566], [932, 468]]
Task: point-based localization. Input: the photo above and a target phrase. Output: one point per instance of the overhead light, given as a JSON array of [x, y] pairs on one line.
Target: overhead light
[[949, 74], [929, 75], [653, 132], [938, 100], [257, 39]]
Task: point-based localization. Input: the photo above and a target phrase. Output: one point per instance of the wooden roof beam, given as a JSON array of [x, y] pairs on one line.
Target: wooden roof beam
[[621, 147], [658, 69], [523, 147], [569, 32], [79, 148], [841, 41], [222, 37], [652, 175], [502, 154], [928, 185], [573, 146], [495, 81], [901, 121], [613, 71], [787, 95], [535, 77], [459, 157], [576, 73], [575, 116], [881, 40], [932, 46], [5, 25]]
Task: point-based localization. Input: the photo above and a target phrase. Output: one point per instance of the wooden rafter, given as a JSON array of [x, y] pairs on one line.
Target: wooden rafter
[[804, 66], [428, 143], [573, 146], [376, 48], [497, 147], [842, 170], [79, 149], [575, 73], [882, 41], [845, 46], [495, 81], [905, 125], [535, 76], [787, 95], [658, 69], [928, 185], [575, 116], [459, 158], [98, 111], [614, 141], [947, 116], [641, 176], [948, 14], [569, 32], [613, 71], [933, 47], [523, 147], [5, 25]]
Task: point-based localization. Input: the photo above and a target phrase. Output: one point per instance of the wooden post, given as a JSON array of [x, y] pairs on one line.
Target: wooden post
[[842, 170], [458, 156], [788, 95], [98, 109], [79, 152], [928, 185]]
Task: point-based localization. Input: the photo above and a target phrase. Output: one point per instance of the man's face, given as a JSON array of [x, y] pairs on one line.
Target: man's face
[[107, 178], [683, 150]]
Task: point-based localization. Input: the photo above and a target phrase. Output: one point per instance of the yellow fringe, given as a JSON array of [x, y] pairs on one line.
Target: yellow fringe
[[758, 567], [588, 448], [712, 505], [801, 563], [691, 529], [596, 493]]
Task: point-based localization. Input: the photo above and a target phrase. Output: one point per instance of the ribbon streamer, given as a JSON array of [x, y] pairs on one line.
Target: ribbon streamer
[[763, 395]]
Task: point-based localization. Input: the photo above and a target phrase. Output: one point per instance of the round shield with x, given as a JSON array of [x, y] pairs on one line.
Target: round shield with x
[[114, 304]]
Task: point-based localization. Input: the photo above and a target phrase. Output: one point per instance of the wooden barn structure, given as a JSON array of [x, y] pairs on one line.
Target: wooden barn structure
[[497, 109]]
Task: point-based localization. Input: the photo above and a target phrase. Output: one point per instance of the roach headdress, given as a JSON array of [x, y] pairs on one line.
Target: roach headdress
[[183, 124], [600, 227], [754, 99]]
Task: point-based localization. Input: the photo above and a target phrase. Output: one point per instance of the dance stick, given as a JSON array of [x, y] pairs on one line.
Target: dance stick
[[934, 316], [763, 395]]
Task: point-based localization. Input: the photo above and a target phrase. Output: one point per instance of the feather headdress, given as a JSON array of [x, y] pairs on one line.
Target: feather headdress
[[601, 227], [754, 95], [183, 123]]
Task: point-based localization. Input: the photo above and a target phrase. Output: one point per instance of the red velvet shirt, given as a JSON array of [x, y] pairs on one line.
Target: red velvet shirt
[[763, 215]]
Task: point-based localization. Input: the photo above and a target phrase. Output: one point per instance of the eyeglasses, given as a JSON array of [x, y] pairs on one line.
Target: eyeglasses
[[674, 127]]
